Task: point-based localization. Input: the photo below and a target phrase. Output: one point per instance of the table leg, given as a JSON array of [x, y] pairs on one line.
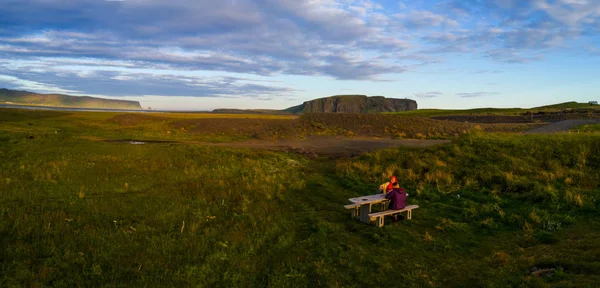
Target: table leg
[[364, 213]]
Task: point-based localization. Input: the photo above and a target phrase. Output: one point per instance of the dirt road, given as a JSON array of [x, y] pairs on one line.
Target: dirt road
[[562, 126]]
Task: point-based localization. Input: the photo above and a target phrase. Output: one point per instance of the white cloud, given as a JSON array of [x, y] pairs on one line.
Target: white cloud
[[428, 94], [425, 19], [33, 85]]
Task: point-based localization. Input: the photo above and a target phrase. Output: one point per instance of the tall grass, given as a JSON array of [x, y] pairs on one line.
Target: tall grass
[[553, 169], [75, 212]]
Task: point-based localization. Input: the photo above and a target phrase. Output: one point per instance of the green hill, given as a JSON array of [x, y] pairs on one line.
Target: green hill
[[565, 105], [295, 109], [59, 100]]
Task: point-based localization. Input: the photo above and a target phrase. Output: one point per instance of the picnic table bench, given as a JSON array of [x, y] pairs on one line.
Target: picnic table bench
[[353, 209], [361, 209], [379, 216]]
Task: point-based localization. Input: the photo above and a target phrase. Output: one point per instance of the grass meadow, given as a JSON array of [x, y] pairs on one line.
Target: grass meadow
[[77, 212], [589, 128]]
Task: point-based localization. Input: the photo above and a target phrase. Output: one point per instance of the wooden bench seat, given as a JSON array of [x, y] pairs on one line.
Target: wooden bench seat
[[379, 216], [353, 209]]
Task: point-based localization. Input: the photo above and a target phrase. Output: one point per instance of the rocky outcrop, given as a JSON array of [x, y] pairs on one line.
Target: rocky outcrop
[[356, 104]]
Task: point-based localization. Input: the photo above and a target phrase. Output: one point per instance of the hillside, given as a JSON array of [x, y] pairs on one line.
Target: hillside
[[59, 100], [565, 105], [355, 104]]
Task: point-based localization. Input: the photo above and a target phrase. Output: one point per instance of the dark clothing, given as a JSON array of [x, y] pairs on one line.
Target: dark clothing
[[397, 199]]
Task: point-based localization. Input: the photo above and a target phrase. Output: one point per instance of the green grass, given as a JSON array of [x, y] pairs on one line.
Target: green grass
[[76, 212], [587, 128]]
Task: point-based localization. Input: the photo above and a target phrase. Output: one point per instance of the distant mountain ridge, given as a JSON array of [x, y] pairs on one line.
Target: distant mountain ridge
[[60, 100]]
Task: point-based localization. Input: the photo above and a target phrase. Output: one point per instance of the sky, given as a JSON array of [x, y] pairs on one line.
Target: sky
[[208, 54]]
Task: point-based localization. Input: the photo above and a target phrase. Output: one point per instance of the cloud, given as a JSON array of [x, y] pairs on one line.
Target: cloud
[[35, 76], [424, 19], [475, 94], [341, 39], [265, 37], [512, 56], [17, 83], [428, 94]]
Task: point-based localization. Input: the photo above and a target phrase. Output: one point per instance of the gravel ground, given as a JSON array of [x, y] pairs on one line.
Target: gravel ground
[[562, 126]]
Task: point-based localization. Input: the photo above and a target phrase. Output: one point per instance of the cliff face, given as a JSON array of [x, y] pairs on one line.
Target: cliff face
[[357, 104], [59, 100]]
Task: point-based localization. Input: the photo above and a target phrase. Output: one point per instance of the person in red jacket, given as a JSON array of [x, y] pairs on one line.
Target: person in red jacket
[[397, 198]]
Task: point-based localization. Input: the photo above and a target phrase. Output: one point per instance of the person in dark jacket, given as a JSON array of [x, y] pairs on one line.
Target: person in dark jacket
[[397, 198]]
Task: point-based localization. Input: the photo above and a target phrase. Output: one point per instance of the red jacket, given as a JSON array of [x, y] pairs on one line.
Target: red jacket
[[397, 198], [385, 187]]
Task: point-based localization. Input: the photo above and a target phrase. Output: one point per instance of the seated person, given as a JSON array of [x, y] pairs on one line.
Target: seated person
[[387, 186], [397, 198]]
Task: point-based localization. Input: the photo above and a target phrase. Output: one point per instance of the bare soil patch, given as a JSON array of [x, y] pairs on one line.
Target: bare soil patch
[[313, 146]]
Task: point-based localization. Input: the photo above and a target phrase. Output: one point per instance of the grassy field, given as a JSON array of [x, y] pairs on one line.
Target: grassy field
[[587, 128], [207, 127], [76, 212]]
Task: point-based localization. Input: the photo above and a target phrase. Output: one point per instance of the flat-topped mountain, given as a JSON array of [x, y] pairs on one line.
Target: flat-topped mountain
[[338, 104], [354, 104], [59, 100]]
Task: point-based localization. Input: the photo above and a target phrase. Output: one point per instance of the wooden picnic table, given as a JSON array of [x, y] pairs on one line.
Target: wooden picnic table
[[366, 202]]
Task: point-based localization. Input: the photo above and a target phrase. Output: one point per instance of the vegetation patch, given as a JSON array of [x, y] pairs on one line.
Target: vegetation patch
[[250, 128], [587, 128], [132, 119], [493, 207]]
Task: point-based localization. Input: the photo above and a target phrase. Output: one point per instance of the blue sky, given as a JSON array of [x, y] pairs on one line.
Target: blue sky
[[206, 54]]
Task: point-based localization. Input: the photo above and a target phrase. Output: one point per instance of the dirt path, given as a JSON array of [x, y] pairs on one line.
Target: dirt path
[[329, 146], [562, 126]]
